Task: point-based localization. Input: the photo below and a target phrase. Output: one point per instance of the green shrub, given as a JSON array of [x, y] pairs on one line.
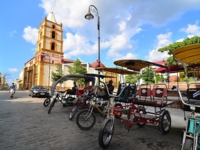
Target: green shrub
[[187, 80]]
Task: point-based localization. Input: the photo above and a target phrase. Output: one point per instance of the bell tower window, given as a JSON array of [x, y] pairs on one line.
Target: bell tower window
[[39, 46], [52, 46], [53, 34]]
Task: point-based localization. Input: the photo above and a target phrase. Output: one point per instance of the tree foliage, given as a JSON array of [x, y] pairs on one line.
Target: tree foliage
[[77, 68], [131, 78], [58, 74], [173, 46], [148, 75], [159, 78]]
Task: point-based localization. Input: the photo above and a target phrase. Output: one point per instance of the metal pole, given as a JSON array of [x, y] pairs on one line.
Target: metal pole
[[98, 27], [49, 74]]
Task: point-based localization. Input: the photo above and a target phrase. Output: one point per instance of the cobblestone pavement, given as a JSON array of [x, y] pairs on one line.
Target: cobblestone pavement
[[26, 125]]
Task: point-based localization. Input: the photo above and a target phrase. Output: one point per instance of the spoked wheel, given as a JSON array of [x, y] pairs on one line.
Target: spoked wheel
[[138, 119], [188, 144], [165, 122], [52, 105], [73, 112], [47, 101], [84, 121], [106, 133]]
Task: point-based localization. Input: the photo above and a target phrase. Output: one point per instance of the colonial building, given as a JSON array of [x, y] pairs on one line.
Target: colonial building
[[49, 52]]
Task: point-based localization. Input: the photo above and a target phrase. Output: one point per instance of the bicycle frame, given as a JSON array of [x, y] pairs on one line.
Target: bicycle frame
[[94, 104], [192, 129]]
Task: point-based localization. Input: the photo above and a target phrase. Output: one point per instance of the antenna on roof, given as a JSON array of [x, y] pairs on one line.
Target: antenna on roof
[[53, 6]]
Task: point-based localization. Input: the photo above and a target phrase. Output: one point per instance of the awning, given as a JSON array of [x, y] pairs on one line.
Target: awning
[[116, 70], [136, 64], [188, 54]]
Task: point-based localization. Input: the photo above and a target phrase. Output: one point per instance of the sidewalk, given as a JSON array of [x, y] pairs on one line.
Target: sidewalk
[[177, 117]]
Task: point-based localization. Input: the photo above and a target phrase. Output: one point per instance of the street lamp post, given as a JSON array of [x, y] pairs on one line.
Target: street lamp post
[[89, 16]]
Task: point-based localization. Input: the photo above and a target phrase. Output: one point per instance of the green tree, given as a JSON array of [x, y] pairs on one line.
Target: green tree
[[131, 78], [77, 68], [175, 45], [148, 75], [58, 74]]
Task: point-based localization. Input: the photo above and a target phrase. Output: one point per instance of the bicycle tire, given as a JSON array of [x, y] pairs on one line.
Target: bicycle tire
[[165, 122], [80, 118], [47, 101], [107, 130], [136, 119], [188, 144], [51, 106], [73, 112]]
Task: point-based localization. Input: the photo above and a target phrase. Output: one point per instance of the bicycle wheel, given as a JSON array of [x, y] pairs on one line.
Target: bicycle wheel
[[73, 112], [47, 101], [84, 121], [52, 105], [165, 122], [138, 119], [106, 133], [188, 144]]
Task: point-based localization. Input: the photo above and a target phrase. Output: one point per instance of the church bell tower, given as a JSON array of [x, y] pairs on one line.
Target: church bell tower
[[49, 53]]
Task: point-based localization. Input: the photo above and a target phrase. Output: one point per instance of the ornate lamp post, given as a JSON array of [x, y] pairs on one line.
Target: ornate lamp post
[[89, 16]]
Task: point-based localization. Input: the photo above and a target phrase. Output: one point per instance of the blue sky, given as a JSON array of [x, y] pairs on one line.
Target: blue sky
[[128, 29]]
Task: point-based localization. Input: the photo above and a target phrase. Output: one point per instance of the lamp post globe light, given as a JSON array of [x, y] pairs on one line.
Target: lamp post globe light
[[89, 16]]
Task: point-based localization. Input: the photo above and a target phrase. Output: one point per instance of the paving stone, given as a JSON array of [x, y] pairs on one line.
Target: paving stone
[[26, 125]]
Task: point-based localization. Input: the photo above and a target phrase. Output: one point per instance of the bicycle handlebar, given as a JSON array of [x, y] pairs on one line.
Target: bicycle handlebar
[[193, 105], [115, 96]]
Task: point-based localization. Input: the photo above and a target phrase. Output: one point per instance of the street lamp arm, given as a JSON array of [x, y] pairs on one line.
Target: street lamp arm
[[93, 9]]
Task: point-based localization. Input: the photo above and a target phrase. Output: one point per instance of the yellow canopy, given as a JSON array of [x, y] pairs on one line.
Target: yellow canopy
[[188, 54], [116, 70], [136, 64]]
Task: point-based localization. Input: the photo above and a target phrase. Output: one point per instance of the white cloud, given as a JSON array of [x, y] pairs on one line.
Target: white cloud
[[75, 45], [12, 33], [13, 70], [122, 26], [180, 40], [162, 41], [192, 30], [30, 34]]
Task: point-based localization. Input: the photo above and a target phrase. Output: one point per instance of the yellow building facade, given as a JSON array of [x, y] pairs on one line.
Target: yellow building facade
[[49, 52]]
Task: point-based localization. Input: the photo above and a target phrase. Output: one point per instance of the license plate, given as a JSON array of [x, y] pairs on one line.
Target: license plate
[[42, 93]]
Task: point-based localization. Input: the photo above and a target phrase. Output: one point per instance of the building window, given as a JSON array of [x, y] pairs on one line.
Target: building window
[[52, 62], [52, 46], [53, 34], [39, 46], [53, 26]]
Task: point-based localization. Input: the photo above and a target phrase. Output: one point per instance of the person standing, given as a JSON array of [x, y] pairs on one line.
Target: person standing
[[110, 87], [12, 90]]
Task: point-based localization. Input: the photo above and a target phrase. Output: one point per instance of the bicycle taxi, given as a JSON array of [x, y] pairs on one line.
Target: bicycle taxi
[[136, 107], [188, 55], [68, 99], [86, 119]]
